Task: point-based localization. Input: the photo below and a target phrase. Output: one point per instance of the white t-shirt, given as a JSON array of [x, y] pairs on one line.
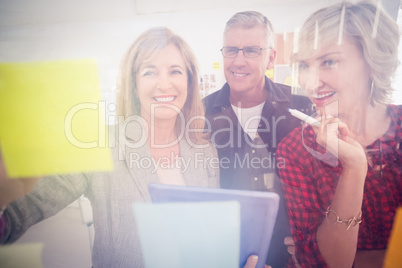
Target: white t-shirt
[[249, 118]]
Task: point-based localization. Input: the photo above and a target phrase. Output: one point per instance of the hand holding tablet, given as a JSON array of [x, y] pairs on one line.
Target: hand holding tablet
[[258, 211]]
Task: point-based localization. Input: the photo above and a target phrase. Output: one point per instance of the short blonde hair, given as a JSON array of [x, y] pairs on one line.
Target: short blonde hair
[[377, 38], [143, 49]]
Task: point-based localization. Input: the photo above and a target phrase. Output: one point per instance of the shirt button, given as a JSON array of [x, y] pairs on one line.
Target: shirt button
[[255, 178], [383, 188], [274, 102], [260, 125], [223, 108], [253, 151], [391, 213]]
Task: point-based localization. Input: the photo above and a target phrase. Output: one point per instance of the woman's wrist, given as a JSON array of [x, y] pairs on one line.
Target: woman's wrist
[[355, 171]]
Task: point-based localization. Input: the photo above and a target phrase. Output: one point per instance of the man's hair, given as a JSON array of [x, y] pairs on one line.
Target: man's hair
[[251, 19]]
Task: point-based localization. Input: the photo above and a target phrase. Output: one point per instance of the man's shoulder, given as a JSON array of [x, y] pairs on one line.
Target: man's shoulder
[[215, 100], [209, 100], [281, 87], [302, 103], [284, 92], [278, 87]]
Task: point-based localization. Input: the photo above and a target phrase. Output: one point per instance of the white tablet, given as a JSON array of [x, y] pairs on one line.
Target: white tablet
[[258, 211]]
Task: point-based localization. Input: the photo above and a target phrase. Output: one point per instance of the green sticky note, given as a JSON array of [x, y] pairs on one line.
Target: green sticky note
[[50, 120]]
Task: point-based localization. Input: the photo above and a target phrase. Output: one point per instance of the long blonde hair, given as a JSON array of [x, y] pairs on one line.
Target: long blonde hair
[[144, 48]]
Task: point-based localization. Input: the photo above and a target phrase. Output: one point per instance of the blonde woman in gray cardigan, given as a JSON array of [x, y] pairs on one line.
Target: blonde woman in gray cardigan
[[156, 99], [157, 104]]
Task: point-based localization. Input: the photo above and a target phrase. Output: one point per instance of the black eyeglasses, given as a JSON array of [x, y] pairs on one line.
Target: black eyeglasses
[[248, 52]]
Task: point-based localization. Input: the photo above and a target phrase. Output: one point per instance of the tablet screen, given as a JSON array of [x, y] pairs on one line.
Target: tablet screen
[[258, 211]]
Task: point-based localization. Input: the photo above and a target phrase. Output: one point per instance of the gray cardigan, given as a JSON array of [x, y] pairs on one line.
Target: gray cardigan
[[111, 194]]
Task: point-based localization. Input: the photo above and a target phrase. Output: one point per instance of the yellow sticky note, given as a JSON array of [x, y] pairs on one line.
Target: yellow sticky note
[[393, 256], [216, 65], [21, 255], [50, 121]]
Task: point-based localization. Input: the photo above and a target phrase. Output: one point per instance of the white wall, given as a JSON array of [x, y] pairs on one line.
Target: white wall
[[53, 29], [43, 30]]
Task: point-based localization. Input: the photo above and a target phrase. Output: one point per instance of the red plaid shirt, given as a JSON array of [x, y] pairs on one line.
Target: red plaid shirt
[[309, 185]]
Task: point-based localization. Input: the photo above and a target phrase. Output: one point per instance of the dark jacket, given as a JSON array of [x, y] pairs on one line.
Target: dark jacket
[[251, 164]]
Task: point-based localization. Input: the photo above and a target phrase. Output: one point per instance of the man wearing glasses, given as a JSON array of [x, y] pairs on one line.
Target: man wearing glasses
[[249, 116]]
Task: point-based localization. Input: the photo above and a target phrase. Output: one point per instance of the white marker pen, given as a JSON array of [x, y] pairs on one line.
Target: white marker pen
[[308, 119]]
